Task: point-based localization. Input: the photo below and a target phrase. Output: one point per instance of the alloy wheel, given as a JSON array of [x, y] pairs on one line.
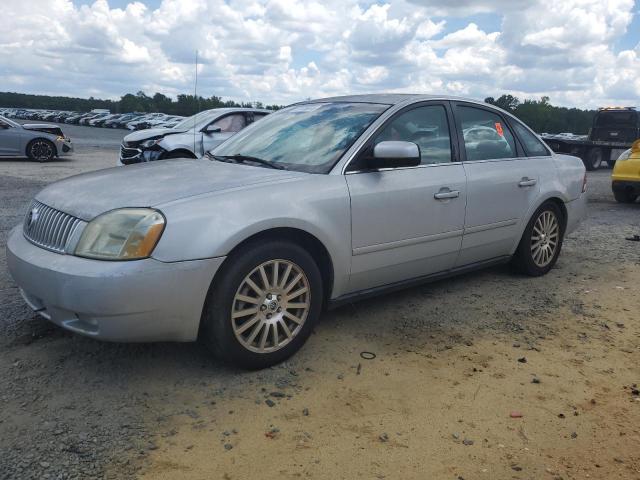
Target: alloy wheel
[[545, 238], [41, 150], [271, 306]]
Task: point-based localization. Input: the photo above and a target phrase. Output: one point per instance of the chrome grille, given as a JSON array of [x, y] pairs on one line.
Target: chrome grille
[[49, 228]]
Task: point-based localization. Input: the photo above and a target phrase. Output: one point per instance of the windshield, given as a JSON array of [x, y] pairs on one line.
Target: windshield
[[307, 137], [617, 119], [189, 122]]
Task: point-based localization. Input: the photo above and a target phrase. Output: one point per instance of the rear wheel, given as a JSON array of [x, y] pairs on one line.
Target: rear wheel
[[594, 158], [263, 304], [41, 150], [625, 196], [541, 241]]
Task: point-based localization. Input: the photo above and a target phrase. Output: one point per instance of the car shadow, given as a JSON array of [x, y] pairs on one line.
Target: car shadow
[[27, 159], [193, 361]]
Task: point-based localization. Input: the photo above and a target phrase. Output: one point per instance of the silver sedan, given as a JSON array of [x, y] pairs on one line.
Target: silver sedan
[[318, 204], [41, 142]]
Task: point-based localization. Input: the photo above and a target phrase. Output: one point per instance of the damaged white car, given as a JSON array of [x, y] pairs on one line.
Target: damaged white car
[[188, 139]]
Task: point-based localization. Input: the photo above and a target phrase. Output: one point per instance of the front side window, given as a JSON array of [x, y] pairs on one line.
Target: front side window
[[532, 145], [309, 137], [427, 127], [231, 123], [486, 136]]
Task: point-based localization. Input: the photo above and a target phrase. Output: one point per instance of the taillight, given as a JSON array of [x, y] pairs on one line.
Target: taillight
[[584, 183]]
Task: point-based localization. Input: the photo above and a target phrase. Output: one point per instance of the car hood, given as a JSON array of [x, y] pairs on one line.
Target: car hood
[[43, 127], [152, 184], [140, 135]]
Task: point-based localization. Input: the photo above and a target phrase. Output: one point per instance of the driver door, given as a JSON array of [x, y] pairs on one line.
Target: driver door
[[408, 222]]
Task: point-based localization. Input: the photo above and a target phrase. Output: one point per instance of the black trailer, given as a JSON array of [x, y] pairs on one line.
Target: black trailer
[[614, 130]]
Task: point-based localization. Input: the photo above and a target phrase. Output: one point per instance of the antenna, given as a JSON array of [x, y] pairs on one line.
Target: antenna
[[195, 99]]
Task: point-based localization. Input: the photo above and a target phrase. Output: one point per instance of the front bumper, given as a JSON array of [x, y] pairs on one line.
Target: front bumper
[[131, 301], [64, 148], [131, 155]]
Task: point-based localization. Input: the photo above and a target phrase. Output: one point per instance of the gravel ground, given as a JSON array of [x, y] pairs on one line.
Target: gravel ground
[[490, 375]]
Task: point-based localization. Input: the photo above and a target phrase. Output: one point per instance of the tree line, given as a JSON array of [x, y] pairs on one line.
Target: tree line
[[185, 105], [540, 115]]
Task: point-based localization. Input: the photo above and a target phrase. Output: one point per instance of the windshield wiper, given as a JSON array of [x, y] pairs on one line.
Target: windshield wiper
[[239, 158]]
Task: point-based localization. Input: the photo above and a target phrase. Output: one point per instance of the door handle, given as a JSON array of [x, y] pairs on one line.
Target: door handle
[[445, 193], [527, 182]]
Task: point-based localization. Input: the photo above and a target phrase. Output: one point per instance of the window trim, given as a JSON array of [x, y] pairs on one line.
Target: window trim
[[520, 152], [453, 138], [536, 136]]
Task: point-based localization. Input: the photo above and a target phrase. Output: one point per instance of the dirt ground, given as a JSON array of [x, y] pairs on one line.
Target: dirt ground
[[486, 376]]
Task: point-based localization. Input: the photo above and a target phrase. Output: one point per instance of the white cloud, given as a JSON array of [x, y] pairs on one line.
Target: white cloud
[[286, 50]]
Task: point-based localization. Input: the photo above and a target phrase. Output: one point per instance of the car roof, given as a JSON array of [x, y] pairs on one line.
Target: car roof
[[390, 98], [234, 109]]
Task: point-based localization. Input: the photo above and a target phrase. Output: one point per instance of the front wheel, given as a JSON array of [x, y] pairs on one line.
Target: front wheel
[[541, 241], [41, 150], [263, 304]]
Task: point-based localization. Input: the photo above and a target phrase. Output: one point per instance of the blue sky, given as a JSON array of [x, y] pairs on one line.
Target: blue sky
[[579, 52]]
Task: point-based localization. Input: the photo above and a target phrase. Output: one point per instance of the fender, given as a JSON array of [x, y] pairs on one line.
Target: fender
[[214, 224]]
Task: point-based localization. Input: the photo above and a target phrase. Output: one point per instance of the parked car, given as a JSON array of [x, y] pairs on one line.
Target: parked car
[[99, 121], [38, 142], [121, 121], [73, 119], [92, 117], [320, 203], [140, 123], [190, 138], [626, 175]]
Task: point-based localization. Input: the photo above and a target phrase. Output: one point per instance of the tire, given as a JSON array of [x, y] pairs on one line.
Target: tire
[[625, 196], [41, 150], [594, 159], [248, 339], [530, 260]]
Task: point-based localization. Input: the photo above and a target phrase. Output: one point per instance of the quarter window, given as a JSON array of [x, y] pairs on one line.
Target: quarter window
[[486, 136], [532, 145], [426, 126]]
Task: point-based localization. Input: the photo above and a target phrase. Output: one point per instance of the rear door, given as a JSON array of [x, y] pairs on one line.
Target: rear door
[[408, 222], [502, 183]]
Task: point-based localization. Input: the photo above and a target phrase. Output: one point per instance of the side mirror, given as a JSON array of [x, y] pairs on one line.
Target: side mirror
[[395, 154], [212, 129]]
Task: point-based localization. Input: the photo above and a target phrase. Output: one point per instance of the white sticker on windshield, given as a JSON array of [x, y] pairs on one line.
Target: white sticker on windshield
[[307, 107]]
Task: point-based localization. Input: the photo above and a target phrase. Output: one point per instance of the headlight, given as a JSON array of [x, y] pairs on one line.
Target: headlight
[[150, 143], [624, 155], [124, 234]]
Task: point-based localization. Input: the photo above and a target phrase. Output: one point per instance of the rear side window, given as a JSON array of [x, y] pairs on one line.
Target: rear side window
[[486, 136], [426, 126], [532, 145]]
